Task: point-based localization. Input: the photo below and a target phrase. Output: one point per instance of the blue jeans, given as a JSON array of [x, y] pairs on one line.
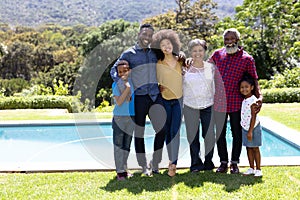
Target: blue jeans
[[174, 116], [256, 137], [123, 127], [236, 129], [193, 118], [144, 105]]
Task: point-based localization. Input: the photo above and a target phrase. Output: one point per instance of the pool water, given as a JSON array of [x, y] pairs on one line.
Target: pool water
[[82, 143]]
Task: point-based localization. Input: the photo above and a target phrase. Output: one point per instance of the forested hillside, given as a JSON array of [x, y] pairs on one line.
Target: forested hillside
[[91, 12]]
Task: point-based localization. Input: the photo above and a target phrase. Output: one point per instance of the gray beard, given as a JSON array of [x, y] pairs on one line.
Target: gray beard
[[233, 49]]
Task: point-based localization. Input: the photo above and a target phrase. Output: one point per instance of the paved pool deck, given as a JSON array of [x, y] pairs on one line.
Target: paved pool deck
[[283, 132]]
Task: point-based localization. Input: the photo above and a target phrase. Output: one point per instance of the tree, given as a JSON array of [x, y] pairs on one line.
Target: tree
[[65, 72], [101, 48], [197, 19], [68, 55], [42, 54], [3, 50], [15, 63], [102, 33], [190, 20], [272, 30], [42, 58]]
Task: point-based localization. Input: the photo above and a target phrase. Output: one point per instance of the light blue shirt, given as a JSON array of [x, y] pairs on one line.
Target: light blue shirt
[[127, 107]]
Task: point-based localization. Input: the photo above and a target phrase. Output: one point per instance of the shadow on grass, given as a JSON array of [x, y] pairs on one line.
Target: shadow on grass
[[231, 182], [159, 182]]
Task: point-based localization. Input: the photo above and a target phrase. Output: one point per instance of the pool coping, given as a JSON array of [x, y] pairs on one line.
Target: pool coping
[[278, 129], [285, 133]]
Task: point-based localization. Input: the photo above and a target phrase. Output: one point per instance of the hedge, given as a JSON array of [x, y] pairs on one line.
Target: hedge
[[275, 95], [281, 95], [40, 101]]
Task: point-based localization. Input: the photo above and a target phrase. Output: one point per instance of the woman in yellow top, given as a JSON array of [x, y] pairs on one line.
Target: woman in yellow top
[[169, 76]]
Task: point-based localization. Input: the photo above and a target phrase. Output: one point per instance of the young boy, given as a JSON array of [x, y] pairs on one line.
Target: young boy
[[123, 119]]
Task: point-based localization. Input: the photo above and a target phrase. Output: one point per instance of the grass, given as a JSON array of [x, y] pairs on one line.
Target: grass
[[277, 183], [285, 113], [48, 114]]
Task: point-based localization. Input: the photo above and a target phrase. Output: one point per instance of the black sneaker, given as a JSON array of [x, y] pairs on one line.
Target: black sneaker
[[121, 176], [209, 165], [234, 169], [223, 168]]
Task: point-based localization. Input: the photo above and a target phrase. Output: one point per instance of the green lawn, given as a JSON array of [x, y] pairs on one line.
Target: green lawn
[[277, 183], [285, 113], [49, 114]]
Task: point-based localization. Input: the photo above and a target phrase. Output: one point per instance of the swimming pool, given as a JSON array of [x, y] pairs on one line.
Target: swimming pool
[[89, 146]]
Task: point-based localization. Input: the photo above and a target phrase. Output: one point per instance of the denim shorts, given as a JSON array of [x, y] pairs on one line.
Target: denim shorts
[[256, 137]]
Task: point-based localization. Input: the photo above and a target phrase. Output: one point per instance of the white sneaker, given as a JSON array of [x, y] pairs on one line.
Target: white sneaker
[[250, 171], [258, 173], [145, 171]]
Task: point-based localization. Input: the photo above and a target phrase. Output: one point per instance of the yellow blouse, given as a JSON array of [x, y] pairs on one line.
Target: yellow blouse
[[171, 78]]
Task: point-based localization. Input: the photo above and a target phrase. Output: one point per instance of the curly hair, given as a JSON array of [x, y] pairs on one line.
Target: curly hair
[[249, 79], [165, 34]]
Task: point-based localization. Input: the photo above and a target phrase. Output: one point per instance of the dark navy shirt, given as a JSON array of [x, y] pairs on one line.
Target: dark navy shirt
[[142, 63]]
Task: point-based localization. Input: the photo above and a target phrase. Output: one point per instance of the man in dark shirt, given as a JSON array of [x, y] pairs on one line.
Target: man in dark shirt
[[148, 101]]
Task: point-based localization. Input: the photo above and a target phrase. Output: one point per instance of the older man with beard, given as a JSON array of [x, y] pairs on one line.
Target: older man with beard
[[232, 61]]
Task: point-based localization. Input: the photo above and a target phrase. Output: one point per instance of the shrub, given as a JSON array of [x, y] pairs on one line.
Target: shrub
[[104, 107], [40, 102], [264, 84], [35, 90], [60, 88], [290, 78], [104, 94], [2, 90], [281, 95], [12, 86]]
